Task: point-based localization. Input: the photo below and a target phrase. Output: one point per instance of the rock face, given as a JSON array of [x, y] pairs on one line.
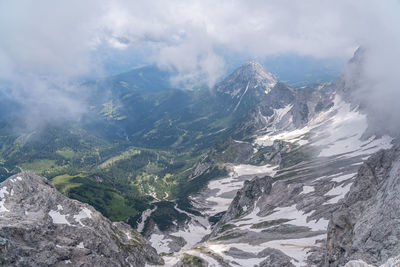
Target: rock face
[[249, 76], [265, 104], [312, 141], [246, 198], [251, 86], [366, 227], [41, 227]]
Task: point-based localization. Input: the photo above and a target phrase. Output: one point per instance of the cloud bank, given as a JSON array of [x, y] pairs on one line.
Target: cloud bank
[[48, 46]]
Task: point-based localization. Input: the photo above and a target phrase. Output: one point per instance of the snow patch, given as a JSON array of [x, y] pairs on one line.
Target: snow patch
[[342, 178], [58, 218], [345, 134], [295, 216], [83, 214], [160, 243], [80, 245], [295, 136], [222, 248], [295, 248], [3, 192], [339, 192], [308, 189], [144, 217], [245, 169]]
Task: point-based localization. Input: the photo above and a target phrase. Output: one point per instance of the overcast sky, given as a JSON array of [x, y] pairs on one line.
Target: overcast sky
[[55, 42]]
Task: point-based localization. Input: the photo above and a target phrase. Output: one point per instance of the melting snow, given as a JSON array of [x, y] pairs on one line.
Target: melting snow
[[342, 178], [143, 220], [339, 192], [160, 243], [295, 136], [232, 183], [80, 245], [295, 216], [83, 214], [3, 192], [336, 132], [221, 248], [308, 189], [295, 248], [192, 234], [345, 133], [245, 169], [18, 178], [58, 218]]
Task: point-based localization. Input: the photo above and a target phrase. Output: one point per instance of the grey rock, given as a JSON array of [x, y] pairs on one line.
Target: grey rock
[[366, 226], [275, 258], [41, 227], [246, 198]]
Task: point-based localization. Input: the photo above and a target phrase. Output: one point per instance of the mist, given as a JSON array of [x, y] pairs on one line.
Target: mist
[[47, 49]]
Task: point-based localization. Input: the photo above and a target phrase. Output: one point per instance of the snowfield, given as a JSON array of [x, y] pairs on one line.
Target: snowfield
[[338, 136]]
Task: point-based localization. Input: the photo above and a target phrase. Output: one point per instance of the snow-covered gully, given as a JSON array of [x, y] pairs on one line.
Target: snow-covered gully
[[293, 218]]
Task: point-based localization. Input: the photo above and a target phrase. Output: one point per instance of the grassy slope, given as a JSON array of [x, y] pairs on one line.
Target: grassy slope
[[130, 150]]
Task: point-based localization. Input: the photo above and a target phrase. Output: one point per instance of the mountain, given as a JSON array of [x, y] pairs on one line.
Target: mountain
[[294, 159], [148, 78], [250, 172], [250, 86], [250, 75], [41, 227]]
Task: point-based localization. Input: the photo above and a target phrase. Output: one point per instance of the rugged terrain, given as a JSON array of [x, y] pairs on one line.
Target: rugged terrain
[[41, 227], [311, 144], [365, 227], [251, 173]]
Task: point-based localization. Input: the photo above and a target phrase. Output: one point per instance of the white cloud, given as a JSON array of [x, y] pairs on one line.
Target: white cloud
[[63, 39], [185, 34]]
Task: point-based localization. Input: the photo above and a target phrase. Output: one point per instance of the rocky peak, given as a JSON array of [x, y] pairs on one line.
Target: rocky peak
[[251, 75], [41, 227], [254, 70]]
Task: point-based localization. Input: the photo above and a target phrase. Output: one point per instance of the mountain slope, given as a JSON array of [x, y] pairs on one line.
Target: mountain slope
[[312, 145], [39, 226], [365, 227], [208, 176]]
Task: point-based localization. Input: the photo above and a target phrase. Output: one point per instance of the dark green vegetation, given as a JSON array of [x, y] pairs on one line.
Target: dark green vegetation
[[191, 260], [142, 142], [165, 214], [137, 144]]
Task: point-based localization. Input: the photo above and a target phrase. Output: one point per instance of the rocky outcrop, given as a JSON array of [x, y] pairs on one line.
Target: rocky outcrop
[[247, 197], [41, 227], [392, 262], [365, 227]]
